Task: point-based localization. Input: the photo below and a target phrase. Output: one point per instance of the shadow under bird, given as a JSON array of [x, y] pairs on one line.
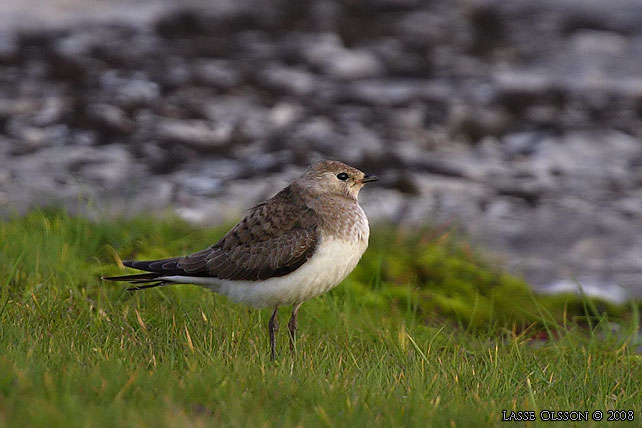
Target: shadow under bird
[[292, 247]]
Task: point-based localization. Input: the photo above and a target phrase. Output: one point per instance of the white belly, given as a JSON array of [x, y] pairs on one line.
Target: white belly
[[331, 263]]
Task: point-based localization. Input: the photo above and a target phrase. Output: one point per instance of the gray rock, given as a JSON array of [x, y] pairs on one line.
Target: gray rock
[[391, 92], [32, 138], [598, 43], [290, 80], [242, 117], [326, 53], [631, 206], [361, 143], [520, 144], [110, 167], [423, 28], [285, 114], [202, 186], [217, 72], [198, 134], [475, 124], [178, 73], [51, 111], [399, 60], [109, 119], [129, 91], [10, 107], [317, 133]]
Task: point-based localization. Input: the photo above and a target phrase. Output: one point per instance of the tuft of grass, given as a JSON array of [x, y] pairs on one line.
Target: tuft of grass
[[423, 333]]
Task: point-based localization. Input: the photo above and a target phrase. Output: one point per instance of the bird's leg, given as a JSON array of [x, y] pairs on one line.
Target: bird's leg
[[273, 326], [292, 326]]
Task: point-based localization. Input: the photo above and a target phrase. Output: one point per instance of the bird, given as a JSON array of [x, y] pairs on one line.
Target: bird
[[294, 246]]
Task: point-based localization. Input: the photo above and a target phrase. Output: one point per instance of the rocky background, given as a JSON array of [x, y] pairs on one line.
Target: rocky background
[[518, 121]]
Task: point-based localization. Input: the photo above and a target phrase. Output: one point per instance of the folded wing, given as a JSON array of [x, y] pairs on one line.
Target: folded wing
[[274, 239]]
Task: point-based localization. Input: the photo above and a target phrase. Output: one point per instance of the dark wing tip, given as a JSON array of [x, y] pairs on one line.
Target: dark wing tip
[[162, 266]]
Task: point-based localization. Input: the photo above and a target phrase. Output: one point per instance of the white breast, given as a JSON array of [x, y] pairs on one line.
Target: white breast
[[333, 260]]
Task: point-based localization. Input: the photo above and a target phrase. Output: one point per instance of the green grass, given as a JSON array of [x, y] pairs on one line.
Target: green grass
[[423, 333]]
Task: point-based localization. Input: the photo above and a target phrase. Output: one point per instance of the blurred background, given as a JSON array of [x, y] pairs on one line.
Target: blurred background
[[518, 122]]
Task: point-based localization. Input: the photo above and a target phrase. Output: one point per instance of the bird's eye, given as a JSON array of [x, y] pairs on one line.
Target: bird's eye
[[342, 176]]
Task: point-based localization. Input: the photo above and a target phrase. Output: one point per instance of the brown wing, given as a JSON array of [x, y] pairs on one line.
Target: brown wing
[[274, 239]]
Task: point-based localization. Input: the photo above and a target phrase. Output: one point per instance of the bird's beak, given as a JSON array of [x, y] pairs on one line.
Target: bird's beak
[[369, 178]]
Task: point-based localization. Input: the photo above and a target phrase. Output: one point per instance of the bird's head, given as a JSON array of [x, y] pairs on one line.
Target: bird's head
[[333, 177]]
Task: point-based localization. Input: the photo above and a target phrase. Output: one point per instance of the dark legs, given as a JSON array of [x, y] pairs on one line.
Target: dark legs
[[273, 326], [292, 326]]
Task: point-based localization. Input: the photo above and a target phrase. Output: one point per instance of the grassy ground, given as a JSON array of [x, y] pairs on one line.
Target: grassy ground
[[424, 333]]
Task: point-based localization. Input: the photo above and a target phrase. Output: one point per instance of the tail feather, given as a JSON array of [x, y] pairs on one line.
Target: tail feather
[[155, 269], [141, 280], [143, 287]]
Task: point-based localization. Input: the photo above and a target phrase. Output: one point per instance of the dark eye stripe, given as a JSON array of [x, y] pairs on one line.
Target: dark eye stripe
[[342, 176]]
